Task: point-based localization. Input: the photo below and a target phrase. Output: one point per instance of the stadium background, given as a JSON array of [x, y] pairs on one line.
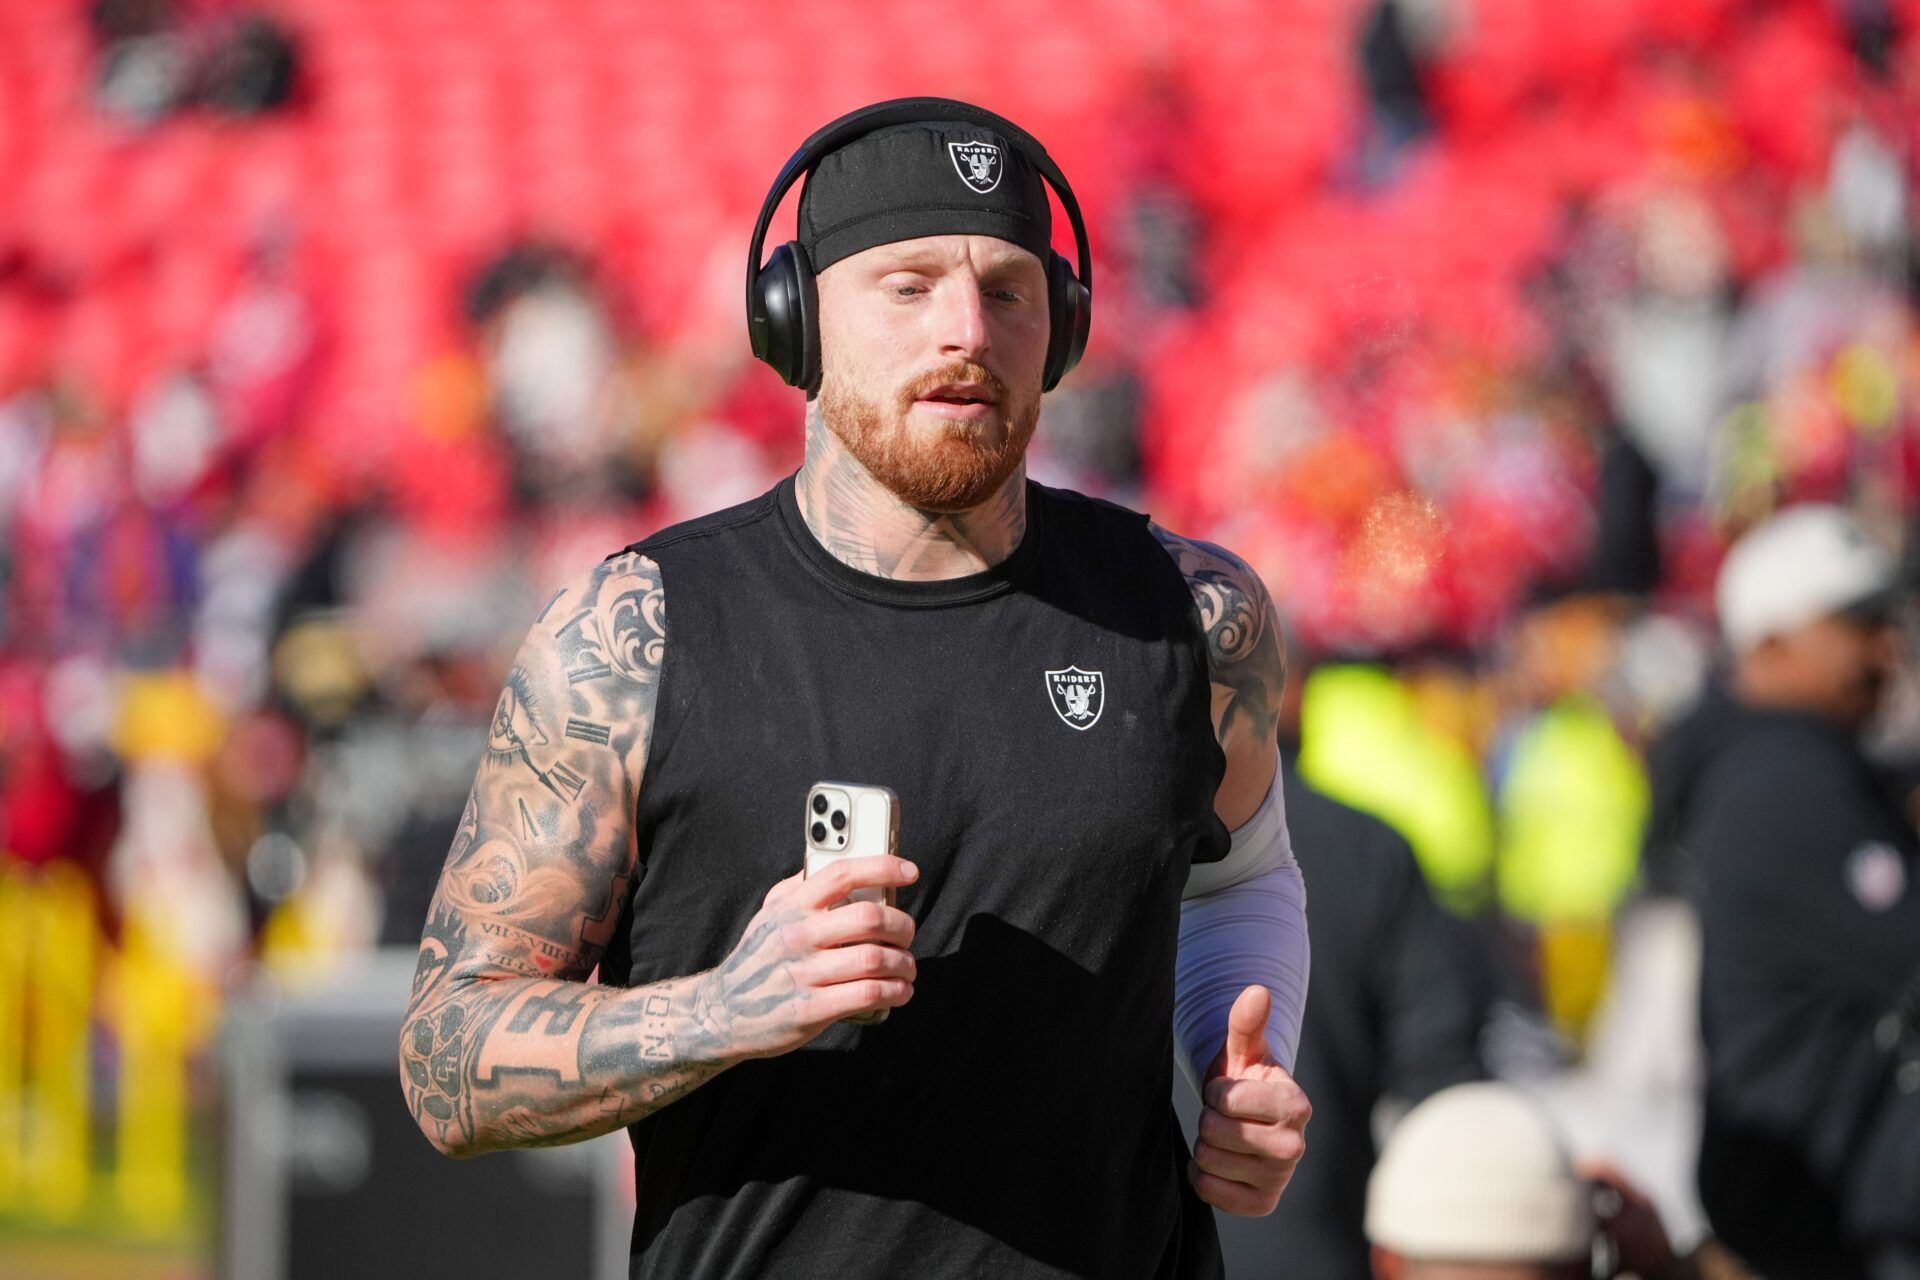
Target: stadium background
[[331, 330]]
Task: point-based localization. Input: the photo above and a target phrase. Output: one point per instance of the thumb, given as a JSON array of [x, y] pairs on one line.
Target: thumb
[[1247, 1030]]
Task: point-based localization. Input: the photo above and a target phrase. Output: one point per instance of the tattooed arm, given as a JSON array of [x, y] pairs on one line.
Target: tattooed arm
[[1247, 664], [504, 1043], [1240, 973]]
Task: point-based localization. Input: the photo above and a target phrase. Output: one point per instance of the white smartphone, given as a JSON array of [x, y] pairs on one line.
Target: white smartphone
[[851, 820]]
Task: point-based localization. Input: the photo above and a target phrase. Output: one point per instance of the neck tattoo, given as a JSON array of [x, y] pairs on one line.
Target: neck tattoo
[[865, 526]]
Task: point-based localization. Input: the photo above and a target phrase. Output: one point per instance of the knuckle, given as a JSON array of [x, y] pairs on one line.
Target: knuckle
[[1290, 1145]]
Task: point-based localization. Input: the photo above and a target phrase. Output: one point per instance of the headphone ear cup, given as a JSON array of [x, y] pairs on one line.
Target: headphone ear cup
[[1070, 318], [784, 322]]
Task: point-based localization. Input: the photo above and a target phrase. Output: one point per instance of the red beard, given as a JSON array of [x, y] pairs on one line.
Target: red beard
[[953, 470]]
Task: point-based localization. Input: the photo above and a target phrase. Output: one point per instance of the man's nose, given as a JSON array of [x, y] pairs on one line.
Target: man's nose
[[960, 317]]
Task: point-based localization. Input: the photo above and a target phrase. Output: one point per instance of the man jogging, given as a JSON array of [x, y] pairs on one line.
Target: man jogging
[[1076, 710]]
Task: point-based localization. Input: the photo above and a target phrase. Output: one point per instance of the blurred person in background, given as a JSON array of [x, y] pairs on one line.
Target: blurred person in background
[[1805, 863], [1475, 1183], [1394, 1015], [1100, 878], [1570, 800]]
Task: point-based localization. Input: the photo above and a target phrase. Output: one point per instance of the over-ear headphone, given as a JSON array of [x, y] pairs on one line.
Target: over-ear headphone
[[782, 301]]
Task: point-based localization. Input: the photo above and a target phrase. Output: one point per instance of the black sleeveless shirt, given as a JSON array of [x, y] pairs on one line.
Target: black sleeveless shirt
[[1014, 1118]]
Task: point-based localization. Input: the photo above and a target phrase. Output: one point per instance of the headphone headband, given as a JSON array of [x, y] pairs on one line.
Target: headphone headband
[[835, 134]]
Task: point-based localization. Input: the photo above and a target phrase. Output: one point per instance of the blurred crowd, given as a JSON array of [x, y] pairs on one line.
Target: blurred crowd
[[1480, 327]]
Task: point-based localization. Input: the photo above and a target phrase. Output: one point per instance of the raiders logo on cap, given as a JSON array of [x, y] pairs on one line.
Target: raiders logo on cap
[[977, 163]]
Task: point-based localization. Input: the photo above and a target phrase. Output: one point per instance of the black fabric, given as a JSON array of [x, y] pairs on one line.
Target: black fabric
[[1677, 763], [1626, 545], [1775, 809], [913, 180], [1012, 1119], [1394, 1009]]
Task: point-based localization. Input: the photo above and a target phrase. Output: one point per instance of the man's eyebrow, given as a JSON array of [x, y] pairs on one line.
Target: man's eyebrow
[[931, 260], [908, 260], [1011, 264]]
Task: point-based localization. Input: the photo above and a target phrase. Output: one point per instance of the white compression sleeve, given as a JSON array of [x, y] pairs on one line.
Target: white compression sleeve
[[1242, 920]]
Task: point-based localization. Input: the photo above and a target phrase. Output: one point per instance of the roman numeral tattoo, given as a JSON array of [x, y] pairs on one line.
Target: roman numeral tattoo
[[563, 782], [588, 731]]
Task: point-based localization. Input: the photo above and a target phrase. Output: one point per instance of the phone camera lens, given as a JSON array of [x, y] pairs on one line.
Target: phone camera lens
[[819, 803], [839, 820], [819, 833]]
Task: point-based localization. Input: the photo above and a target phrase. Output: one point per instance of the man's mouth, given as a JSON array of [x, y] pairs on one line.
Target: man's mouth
[[959, 393]]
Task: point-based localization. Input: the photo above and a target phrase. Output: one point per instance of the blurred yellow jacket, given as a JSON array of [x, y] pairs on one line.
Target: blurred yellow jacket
[[1572, 812], [1362, 741]]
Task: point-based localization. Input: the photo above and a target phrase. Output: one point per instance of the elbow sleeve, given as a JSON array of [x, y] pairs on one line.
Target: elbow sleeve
[[1247, 925]]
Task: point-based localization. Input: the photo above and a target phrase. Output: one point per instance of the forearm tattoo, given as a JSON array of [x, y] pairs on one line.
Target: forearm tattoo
[[1246, 659], [505, 1044]]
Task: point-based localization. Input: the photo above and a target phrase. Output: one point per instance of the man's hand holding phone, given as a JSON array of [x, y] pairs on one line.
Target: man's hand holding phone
[[805, 962]]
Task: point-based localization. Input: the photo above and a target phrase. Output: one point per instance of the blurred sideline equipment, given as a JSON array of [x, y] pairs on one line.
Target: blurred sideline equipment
[[61, 982], [324, 1175], [782, 301], [47, 954]]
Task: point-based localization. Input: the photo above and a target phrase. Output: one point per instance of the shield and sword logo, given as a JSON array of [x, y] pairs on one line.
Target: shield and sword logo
[[977, 163], [1078, 696]]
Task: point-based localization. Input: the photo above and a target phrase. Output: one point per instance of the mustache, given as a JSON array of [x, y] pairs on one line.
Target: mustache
[[958, 371]]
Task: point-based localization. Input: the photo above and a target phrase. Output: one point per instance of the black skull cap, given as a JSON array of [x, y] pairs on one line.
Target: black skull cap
[[922, 179]]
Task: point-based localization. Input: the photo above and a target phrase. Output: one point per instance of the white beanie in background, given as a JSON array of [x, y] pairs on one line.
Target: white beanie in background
[[1477, 1173], [1797, 566]]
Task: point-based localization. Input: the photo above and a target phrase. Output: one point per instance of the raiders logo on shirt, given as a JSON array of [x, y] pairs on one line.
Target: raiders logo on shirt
[[1078, 696]]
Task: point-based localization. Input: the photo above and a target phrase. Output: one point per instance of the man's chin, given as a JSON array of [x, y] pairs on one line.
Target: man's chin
[[953, 472], [982, 426]]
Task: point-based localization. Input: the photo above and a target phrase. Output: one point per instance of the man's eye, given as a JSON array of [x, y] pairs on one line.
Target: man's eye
[[1006, 295], [903, 290]]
